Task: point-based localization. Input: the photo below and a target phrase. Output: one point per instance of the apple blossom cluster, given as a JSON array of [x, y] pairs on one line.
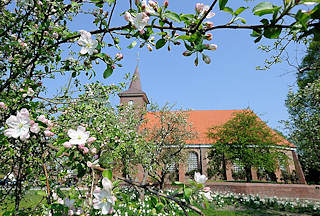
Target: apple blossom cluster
[[104, 199], [201, 9], [20, 125], [79, 138], [87, 43]]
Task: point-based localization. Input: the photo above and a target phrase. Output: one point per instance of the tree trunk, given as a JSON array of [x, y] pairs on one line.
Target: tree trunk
[[248, 174]]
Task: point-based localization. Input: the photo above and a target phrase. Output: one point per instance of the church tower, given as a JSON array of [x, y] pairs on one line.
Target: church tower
[[134, 95]]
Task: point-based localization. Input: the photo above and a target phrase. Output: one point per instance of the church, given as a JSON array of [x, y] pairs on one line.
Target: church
[[197, 149]]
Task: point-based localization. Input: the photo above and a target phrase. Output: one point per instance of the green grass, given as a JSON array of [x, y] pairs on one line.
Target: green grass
[[31, 200]]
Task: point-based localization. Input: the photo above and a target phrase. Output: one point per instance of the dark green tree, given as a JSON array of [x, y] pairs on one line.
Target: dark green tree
[[304, 109], [247, 141]]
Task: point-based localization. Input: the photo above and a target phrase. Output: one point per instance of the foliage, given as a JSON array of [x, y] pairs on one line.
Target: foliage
[[247, 141], [167, 133], [304, 109]]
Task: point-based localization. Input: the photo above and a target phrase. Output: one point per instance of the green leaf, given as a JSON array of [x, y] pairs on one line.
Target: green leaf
[[188, 47], [263, 8], [187, 192], [60, 152], [133, 44], [107, 174], [160, 43], [228, 10], [183, 37], [222, 4], [173, 16], [258, 39], [107, 72], [240, 10], [177, 183], [272, 33]]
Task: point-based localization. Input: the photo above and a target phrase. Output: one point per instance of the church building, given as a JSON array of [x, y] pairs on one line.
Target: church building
[[197, 149]]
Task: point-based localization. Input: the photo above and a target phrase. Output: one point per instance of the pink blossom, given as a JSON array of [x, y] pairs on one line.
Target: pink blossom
[[2, 105], [34, 127], [43, 119], [48, 133], [199, 7], [89, 164], [81, 146], [94, 150], [85, 150], [119, 56], [67, 145], [91, 140], [206, 189]]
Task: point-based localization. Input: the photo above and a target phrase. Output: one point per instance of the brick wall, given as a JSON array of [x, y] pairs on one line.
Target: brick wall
[[269, 190]]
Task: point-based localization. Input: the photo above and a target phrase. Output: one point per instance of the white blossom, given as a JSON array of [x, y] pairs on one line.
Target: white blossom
[[139, 21], [104, 199], [79, 136], [201, 179], [18, 125], [88, 44]]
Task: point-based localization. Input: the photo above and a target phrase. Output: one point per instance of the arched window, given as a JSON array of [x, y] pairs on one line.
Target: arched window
[[193, 162], [237, 166], [130, 103]]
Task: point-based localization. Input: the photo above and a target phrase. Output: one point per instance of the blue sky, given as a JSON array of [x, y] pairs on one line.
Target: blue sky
[[231, 81]]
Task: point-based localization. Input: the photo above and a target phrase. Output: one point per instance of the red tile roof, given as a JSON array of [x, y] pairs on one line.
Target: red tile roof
[[202, 120]]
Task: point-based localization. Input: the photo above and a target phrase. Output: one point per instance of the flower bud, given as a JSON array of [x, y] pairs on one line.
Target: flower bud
[[211, 46], [199, 7], [89, 164], [206, 59], [187, 53], [149, 47], [67, 145], [2, 105], [91, 140], [85, 150], [166, 3], [119, 56], [48, 133], [208, 24], [94, 150], [208, 36], [153, 3]]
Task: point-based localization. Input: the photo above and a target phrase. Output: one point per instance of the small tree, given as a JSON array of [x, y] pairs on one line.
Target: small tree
[[167, 132], [246, 141]]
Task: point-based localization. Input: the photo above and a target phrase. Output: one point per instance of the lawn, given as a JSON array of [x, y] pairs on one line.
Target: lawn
[[33, 198], [248, 212]]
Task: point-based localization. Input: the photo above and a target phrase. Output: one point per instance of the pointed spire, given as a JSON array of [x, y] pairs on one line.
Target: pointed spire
[[136, 83], [134, 92]]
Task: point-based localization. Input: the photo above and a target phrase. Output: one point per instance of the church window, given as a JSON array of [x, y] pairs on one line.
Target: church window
[[237, 166], [193, 163], [130, 103]]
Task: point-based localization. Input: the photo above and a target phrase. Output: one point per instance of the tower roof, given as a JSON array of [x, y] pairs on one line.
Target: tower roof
[[134, 89]]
